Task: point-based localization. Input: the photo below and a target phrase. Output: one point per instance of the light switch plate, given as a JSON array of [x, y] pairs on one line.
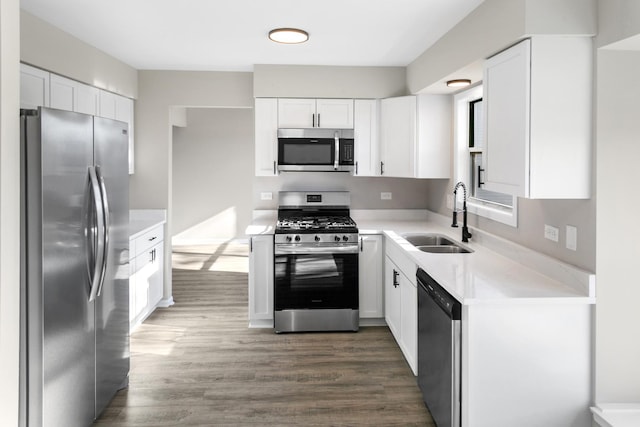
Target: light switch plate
[[266, 196], [552, 233], [385, 196], [572, 238]]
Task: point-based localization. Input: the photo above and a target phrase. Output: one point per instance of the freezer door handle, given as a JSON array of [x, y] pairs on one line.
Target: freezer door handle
[[98, 242], [107, 225]]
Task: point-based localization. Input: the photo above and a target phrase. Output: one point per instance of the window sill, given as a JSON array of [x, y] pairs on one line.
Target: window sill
[[495, 213]]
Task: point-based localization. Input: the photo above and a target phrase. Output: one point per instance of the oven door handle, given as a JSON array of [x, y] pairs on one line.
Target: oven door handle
[[310, 250]]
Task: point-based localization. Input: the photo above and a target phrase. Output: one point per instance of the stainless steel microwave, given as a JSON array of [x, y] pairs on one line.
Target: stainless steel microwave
[[316, 150]]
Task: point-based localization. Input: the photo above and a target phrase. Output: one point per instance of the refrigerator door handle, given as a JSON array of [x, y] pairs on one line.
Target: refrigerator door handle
[[107, 225], [99, 255]]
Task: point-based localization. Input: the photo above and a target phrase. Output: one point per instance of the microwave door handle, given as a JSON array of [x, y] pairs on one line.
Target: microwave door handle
[[337, 154]]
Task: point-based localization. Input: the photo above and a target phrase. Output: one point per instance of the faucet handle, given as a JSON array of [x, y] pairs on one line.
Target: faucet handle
[[455, 219]]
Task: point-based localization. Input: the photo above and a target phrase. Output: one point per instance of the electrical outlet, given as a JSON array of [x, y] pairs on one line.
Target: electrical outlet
[[385, 196], [266, 196], [572, 238], [552, 233]]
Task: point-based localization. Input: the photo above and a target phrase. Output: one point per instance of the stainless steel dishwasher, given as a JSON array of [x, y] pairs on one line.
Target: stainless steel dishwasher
[[439, 350]]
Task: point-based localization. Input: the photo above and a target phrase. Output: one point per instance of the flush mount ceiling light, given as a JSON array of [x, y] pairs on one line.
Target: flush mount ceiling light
[[288, 35], [459, 83]]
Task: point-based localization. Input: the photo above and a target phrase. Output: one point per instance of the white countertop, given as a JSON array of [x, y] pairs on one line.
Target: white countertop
[[617, 414], [142, 220], [498, 271]]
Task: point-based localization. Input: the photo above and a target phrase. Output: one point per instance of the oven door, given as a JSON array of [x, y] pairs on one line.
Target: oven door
[[316, 277]]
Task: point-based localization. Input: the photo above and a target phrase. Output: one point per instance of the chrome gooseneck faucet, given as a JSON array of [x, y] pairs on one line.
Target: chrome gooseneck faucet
[[465, 230]]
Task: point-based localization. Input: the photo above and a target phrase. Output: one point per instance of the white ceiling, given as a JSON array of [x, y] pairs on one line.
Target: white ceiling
[[231, 35]]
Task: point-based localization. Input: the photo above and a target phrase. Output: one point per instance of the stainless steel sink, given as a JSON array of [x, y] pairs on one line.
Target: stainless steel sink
[[435, 243], [452, 249], [428, 240]]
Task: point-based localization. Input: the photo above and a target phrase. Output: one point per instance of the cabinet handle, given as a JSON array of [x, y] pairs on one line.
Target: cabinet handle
[[318, 119], [153, 255], [480, 183], [250, 244], [381, 168], [313, 120], [395, 279], [356, 168], [361, 245], [274, 167], [151, 239]]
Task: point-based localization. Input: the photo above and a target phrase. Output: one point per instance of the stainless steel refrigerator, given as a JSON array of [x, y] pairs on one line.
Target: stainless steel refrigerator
[[75, 268]]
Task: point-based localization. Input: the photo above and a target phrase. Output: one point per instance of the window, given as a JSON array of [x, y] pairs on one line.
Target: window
[[469, 166]]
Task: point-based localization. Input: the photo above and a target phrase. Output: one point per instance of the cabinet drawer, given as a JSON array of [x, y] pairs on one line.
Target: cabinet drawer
[[402, 261], [147, 240]]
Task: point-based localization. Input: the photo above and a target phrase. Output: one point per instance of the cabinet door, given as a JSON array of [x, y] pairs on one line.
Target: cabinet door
[[141, 286], [70, 95], [334, 113], [261, 278], [433, 151], [365, 129], [34, 87], [398, 136], [370, 277], [86, 99], [392, 297], [266, 136], [296, 113], [156, 279], [62, 92], [107, 104], [409, 321], [507, 102]]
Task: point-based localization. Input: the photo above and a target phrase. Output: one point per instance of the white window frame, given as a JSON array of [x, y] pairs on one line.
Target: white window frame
[[461, 166]]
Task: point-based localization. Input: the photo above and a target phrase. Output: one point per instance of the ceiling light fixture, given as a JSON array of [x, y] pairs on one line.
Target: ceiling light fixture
[[288, 35], [458, 83]]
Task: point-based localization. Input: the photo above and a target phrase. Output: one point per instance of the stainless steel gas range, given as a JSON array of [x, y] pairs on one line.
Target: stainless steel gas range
[[316, 263]]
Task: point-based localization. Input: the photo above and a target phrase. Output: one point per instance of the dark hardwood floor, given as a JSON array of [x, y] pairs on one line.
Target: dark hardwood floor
[[197, 363]]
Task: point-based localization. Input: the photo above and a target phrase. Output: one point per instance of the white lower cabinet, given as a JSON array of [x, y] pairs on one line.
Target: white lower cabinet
[[146, 280], [370, 290], [261, 281], [401, 304]]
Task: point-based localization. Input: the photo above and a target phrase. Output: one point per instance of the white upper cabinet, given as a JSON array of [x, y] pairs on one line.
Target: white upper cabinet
[[39, 88], [367, 142], [70, 95], [415, 136], [34, 87], [398, 136], [538, 116], [318, 113], [107, 105], [334, 113], [266, 136]]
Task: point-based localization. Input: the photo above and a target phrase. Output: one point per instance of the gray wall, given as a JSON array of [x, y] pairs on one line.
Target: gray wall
[[618, 235], [316, 81], [365, 192], [45, 46], [493, 26], [212, 174], [9, 211]]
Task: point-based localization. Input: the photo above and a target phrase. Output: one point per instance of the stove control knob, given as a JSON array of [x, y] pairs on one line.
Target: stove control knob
[[288, 238], [297, 238], [317, 238], [345, 238], [337, 238]]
